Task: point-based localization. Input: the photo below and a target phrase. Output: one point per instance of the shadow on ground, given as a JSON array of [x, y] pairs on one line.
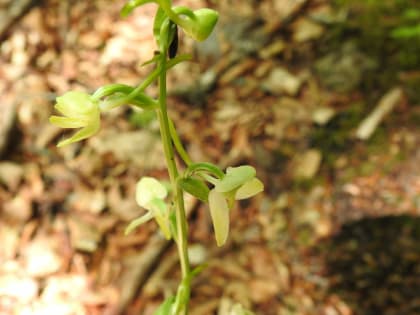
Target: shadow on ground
[[374, 265]]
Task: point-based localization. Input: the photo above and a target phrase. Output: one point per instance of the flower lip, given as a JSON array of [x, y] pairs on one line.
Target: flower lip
[[219, 212], [249, 189], [238, 183]]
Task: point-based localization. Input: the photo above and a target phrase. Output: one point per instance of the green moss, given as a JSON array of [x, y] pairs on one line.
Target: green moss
[[387, 30]]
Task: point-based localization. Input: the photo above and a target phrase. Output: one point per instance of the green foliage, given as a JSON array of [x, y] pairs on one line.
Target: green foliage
[[388, 31]]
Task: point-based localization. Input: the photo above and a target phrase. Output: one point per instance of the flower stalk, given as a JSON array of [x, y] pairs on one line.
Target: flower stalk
[[203, 180], [180, 215]]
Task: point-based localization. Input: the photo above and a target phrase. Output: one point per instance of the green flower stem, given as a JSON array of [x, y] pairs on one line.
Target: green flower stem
[[154, 75], [136, 92], [181, 219], [178, 144], [206, 167], [172, 15]]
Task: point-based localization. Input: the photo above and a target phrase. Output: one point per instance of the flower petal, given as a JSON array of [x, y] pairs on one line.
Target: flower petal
[[219, 212], [74, 104], [80, 135], [67, 122], [249, 189], [235, 177]]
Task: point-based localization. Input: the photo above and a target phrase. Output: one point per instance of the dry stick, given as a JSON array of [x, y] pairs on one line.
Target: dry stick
[[136, 271], [385, 106]]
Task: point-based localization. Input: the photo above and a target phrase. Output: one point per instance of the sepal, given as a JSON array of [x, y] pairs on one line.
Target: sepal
[[235, 177]]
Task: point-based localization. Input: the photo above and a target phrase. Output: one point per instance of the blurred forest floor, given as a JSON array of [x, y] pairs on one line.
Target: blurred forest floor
[[336, 231]]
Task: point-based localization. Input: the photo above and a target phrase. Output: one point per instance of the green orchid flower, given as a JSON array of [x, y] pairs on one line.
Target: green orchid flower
[[80, 110], [239, 183], [150, 194]]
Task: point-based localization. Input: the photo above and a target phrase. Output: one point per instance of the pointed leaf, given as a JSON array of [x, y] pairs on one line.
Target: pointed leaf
[[197, 270], [151, 60], [195, 187], [178, 59], [166, 307]]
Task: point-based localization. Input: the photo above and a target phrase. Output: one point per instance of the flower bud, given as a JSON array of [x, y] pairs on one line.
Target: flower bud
[[147, 189], [201, 26], [150, 194]]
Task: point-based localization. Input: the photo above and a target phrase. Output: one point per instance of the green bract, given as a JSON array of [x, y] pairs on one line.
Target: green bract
[[80, 111], [195, 187], [150, 194], [239, 183]]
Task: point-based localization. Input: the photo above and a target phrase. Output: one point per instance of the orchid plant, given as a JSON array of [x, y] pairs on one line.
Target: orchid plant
[[205, 181]]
